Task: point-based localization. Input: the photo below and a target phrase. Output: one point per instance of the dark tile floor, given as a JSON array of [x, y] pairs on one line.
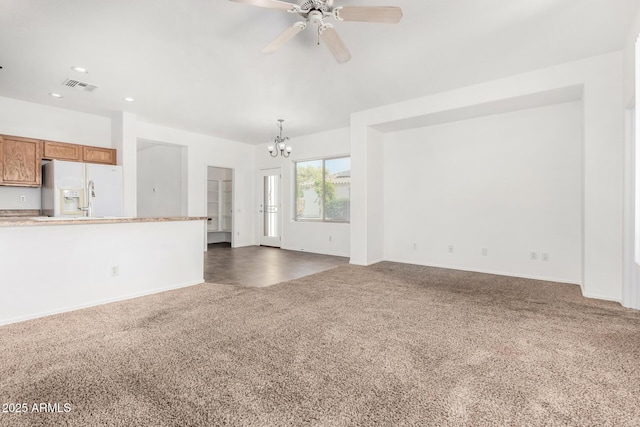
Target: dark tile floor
[[258, 266]]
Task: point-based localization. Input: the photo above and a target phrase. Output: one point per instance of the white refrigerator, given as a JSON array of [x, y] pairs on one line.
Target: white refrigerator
[[82, 189]]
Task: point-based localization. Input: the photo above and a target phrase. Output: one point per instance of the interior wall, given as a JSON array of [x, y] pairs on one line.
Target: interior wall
[[21, 118], [629, 62], [600, 80], [317, 237], [161, 186], [10, 198], [203, 151], [510, 183], [75, 264], [631, 53], [124, 137]]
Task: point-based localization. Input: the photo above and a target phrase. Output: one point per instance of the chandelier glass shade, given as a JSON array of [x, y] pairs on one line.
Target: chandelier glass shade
[[279, 146]]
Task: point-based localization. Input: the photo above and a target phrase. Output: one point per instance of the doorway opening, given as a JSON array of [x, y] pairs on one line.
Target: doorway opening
[[219, 205]]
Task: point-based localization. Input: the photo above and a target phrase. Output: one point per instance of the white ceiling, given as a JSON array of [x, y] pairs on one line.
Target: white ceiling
[[197, 65]]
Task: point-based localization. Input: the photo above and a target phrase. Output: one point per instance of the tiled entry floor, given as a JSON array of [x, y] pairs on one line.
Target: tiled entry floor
[[259, 266]]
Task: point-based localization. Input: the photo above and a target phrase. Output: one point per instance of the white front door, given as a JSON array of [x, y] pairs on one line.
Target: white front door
[[270, 208]]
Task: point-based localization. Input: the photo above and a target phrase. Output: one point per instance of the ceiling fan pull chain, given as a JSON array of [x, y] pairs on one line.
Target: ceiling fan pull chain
[[318, 35]]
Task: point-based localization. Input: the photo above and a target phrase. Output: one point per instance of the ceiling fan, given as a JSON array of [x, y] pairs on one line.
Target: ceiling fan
[[315, 11]]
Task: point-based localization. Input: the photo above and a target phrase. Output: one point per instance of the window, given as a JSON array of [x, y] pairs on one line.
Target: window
[[323, 189]]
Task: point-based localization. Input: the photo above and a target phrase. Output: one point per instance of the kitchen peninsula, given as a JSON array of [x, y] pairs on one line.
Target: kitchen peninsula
[[52, 265]]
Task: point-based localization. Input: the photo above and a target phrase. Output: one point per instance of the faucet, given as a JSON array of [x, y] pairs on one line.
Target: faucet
[[91, 192]]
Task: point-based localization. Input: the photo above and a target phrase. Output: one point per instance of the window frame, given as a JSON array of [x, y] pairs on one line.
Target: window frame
[[295, 190]]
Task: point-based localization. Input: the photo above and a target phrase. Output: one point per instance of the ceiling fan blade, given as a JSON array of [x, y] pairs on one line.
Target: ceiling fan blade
[[383, 14], [334, 43], [271, 4], [284, 37]]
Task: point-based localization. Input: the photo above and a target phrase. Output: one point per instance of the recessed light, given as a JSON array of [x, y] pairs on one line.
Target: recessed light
[[80, 69], [55, 95], [129, 99]]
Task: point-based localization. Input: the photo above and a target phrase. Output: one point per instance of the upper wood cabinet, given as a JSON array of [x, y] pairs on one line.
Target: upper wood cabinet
[[62, 151], [99, 155], [78, 153], [21, 158], [20, 161]]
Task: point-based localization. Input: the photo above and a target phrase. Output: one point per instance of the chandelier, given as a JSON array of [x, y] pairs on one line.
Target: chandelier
[[279, 144]]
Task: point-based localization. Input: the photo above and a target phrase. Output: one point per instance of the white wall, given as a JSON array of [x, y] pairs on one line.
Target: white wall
[[204, 151], [162, 176], [631, 52], [600, 79], [21, 118], [324, 237], [629, 62], [54, 268], [124, 139], [511, 183], [10, 198]]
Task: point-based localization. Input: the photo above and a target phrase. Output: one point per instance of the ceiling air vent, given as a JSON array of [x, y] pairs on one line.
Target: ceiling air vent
[[77, 84]]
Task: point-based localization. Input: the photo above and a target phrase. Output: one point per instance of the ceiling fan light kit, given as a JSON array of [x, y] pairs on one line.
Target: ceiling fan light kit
[[315, 11]]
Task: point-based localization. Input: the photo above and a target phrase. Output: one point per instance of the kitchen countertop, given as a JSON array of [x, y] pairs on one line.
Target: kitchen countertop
[[19, 212], [45, 220]]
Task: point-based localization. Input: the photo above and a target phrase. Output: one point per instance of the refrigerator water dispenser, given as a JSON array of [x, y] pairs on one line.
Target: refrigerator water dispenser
[[71, 201]]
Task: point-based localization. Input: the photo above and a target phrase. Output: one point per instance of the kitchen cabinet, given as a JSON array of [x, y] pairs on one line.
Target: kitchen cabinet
[[21, 158], [20, 161], [105, 156], [78, 153], [62, 151]]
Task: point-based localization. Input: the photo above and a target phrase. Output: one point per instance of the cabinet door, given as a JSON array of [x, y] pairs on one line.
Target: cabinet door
[[20, 161], [62, 151], [106, 156]]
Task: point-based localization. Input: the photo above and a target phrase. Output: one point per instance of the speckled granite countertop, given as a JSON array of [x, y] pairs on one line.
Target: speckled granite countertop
[[44, 220]]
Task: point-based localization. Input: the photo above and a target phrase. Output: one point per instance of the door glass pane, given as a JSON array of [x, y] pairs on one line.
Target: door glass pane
[[337, 189], [271, 208]]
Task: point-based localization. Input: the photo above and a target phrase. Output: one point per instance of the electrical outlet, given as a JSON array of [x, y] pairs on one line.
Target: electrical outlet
[[533, 255], [450, 249], [545, 256], [485, 251], [115, 270], [23, 199]]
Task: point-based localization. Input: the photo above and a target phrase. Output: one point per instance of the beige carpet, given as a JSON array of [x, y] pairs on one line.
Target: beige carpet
[[387, 345]]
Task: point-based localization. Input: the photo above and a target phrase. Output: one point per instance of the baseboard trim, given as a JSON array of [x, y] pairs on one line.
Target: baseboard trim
[[368, 263], [288, 248], [96, 303], [497, 273], [596, 296]]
